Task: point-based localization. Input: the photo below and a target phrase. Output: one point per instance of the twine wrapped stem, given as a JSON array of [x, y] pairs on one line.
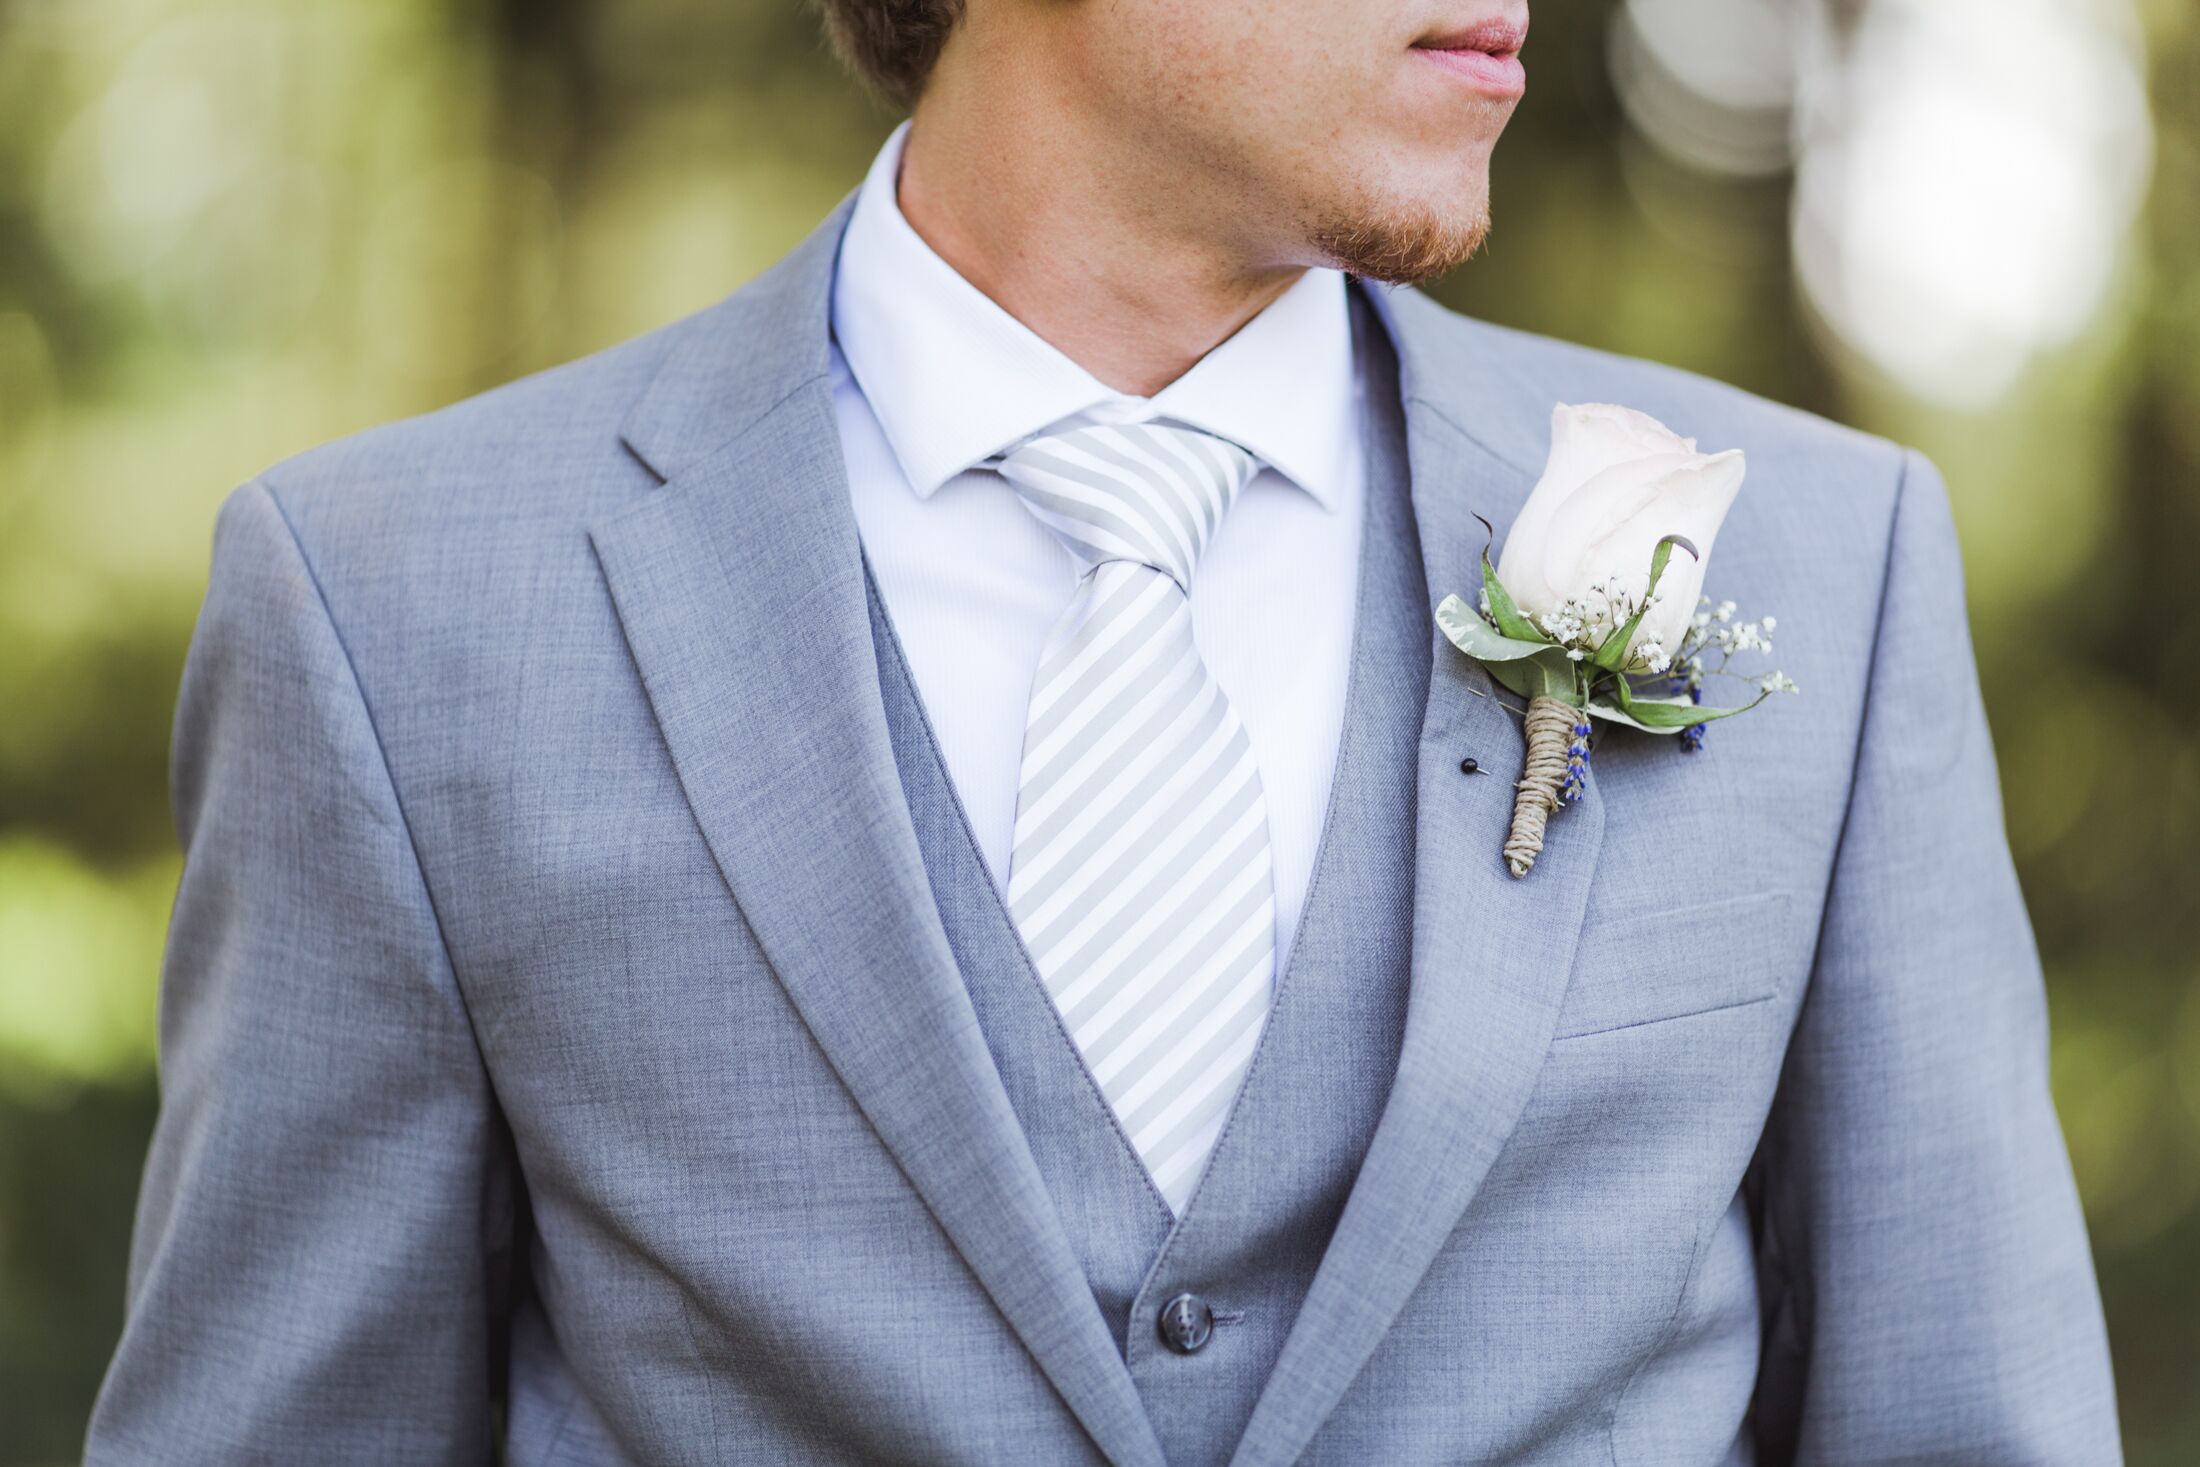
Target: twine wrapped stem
[[1550, 728]]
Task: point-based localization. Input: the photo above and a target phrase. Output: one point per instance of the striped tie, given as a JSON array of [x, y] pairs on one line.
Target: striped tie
[[1139, 874]]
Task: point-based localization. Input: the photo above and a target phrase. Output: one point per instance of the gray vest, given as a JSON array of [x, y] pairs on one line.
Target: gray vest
[[1255, 1231]]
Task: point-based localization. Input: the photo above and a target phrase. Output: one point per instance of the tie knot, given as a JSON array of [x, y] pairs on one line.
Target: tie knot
[[1140, 492]]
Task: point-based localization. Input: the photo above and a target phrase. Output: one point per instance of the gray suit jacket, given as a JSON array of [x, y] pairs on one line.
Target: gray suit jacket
[[560, 1043]]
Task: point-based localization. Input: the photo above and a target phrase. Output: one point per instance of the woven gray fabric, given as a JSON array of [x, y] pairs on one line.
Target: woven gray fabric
[[560, 1040]]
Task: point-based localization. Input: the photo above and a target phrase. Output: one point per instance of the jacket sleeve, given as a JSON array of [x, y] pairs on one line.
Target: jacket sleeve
[[1930, 1294], [310, 1275]]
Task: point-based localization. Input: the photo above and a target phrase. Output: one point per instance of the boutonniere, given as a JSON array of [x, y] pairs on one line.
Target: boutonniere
[[1596, 610]]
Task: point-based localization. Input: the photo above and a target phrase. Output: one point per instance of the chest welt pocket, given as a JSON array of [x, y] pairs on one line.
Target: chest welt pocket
[[1670, 964]]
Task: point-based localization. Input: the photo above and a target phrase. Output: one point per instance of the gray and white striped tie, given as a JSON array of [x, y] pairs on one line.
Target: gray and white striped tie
[[1139, 873]]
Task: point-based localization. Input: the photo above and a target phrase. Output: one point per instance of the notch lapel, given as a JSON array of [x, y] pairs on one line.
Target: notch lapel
[[1491, 955], [739, 585]]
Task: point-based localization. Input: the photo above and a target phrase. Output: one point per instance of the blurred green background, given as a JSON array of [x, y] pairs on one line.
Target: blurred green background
[[230, 229]]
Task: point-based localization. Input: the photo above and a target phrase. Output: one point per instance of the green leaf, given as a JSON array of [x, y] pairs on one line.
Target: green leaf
[[1503, 610], [1612, 654], [1533, 669], [1611, 714], [1474, 636], [1623, 713], [1626, 691], [1667, 715], [1549, 674]]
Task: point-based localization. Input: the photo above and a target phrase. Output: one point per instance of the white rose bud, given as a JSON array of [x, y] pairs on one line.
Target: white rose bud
[[1619, 481]]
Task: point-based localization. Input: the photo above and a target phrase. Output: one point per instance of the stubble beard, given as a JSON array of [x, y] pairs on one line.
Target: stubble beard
[[1403, 246]]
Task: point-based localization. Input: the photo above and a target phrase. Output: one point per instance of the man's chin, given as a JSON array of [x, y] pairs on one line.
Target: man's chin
[[1405, 247]]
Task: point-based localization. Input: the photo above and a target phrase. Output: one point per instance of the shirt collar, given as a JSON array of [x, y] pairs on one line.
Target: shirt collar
[[952, 378]]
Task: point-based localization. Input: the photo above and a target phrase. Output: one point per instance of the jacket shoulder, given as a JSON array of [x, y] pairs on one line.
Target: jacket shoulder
[[1814, 531], [546, 441], [1547, 371], [466, 524]]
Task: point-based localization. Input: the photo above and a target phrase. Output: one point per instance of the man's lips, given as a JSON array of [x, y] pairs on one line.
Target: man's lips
[[1485, 54]]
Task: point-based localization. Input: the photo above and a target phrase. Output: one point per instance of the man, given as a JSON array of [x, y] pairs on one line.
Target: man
[[898, 872]]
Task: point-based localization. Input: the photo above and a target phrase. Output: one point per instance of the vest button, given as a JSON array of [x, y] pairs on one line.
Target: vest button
[[1186, 1324]]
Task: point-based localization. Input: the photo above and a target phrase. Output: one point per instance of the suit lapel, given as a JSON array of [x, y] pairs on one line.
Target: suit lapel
[[739, 585], [1491, 955]]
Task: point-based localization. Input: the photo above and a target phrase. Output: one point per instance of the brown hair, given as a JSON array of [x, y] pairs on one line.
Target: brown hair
[[891, 44]]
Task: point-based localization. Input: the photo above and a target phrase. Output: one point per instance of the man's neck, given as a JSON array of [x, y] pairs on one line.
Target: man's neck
[[1033, 215]]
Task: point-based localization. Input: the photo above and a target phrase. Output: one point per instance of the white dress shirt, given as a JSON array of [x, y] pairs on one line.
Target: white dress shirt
[[931, 378]]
